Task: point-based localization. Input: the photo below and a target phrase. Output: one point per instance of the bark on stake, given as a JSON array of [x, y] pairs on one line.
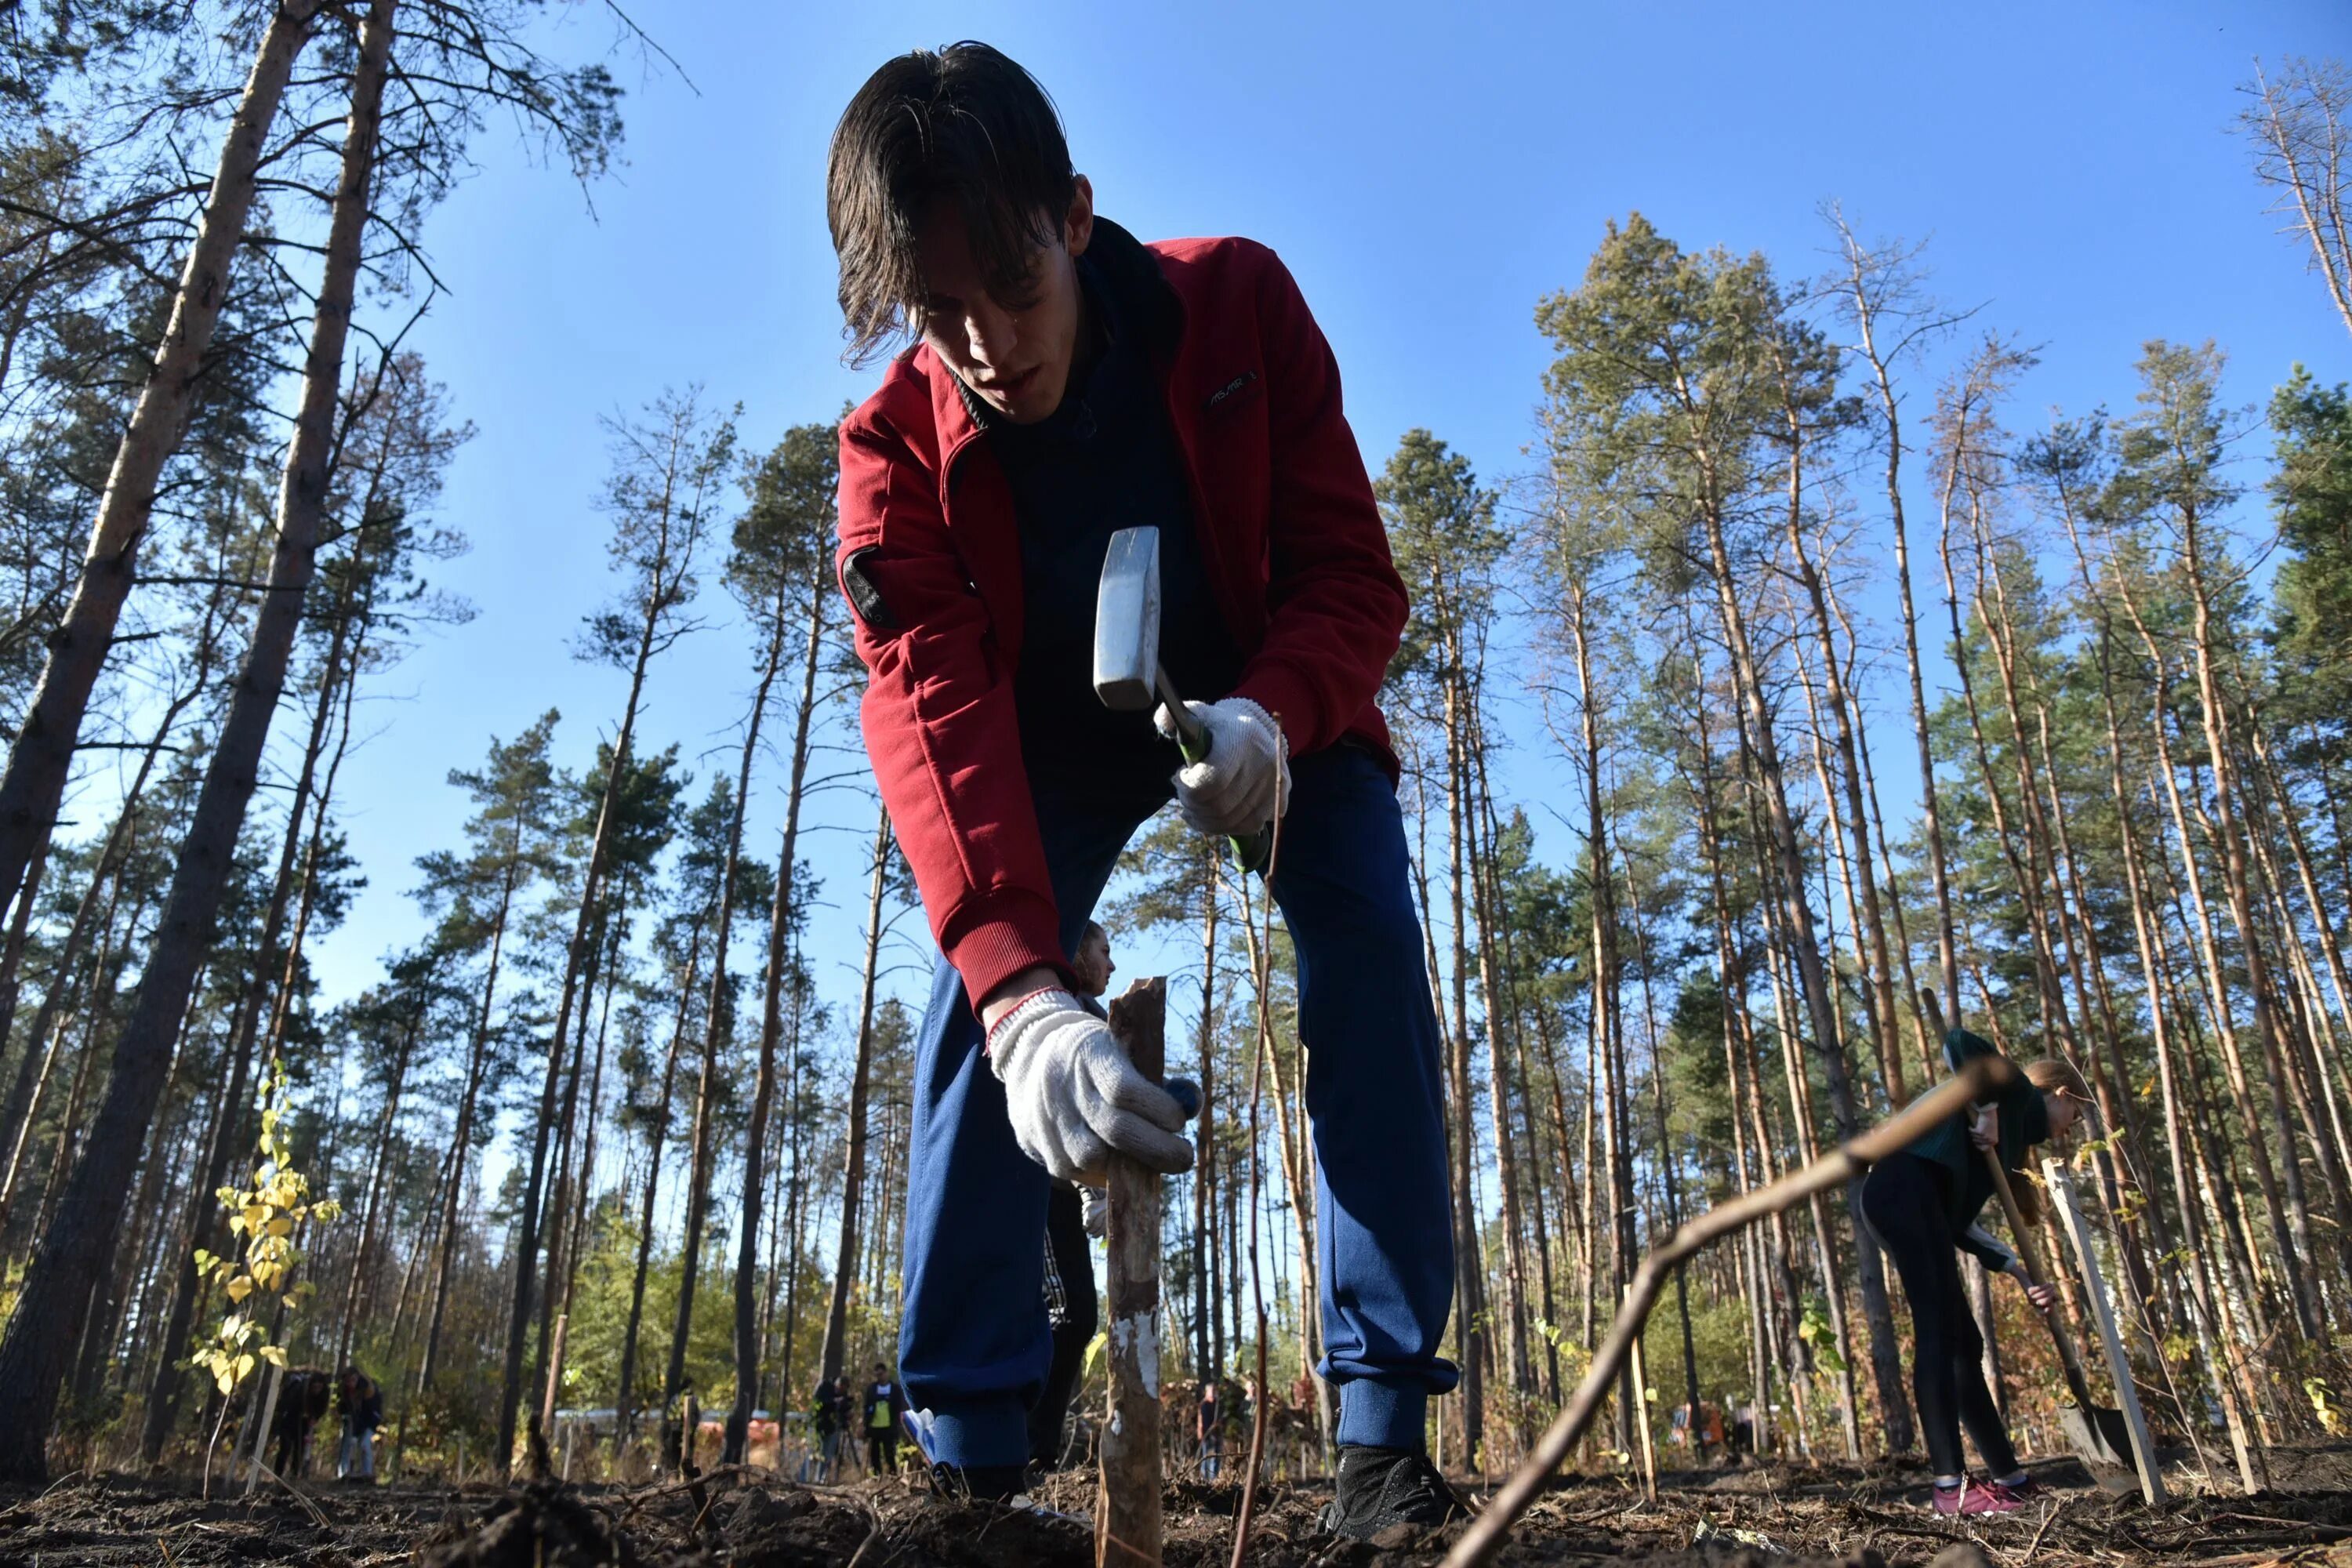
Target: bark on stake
[[1126, 1510], [1978, 1079]]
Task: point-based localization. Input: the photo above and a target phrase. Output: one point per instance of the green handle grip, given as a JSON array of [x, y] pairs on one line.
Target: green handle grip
[[1251, 853]]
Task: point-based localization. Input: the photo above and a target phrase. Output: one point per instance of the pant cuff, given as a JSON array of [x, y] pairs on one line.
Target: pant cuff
[[1383, 1414], [980, 1435]]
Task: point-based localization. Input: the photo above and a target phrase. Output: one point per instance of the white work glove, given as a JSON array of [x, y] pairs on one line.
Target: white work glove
[[1245, 781], [1093, 1211], [1075, 1098]]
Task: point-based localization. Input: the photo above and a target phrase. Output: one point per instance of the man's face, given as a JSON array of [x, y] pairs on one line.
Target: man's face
[[1015, 352], [1092, 964]]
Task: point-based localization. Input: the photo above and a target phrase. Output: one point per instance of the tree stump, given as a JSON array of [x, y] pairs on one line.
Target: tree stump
[[1127, 1508]]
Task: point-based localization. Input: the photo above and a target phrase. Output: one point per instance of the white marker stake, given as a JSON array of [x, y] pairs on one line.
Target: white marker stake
[[2094, 1288]]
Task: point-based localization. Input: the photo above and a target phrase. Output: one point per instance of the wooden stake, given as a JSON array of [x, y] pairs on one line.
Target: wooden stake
[[554, 1374], [1647, 1451], [261, 1435], [1978, 1079], [1126, 1510], [2094, 1290]]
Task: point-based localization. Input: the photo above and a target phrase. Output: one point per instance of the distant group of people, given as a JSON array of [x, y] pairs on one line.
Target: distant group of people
[[304, 1397], [875, 1414]]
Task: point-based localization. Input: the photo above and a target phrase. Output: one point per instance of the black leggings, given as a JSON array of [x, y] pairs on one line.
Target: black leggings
[[1070, 1306], [1904, 1200]]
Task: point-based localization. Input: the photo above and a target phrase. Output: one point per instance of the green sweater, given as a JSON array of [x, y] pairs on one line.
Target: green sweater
[[2024, 1122]]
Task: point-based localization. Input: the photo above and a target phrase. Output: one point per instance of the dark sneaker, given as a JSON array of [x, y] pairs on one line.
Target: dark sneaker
[[1976, 1496], [981, 1483], [1380, 1486]]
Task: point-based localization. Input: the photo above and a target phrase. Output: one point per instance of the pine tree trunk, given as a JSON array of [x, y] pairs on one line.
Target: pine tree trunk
[[31, 1356], [462, 1135], [716, 1032], [625, 1400], [844, 1267], [378, 1179], [1798, 924], [1469, 1308], [41, 758], [206, 1225], [780, 923], [49, 1019], [1866, 307], [1499, 1075], [1879, 975], [560, 1196], [2286, 1235], [12, 967], [577, 953]]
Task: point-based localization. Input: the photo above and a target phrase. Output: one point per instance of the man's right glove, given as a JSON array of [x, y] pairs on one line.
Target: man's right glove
[[1245, 781], [1075, 1098]]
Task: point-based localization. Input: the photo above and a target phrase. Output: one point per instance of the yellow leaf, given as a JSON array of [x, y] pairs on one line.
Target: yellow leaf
[[240, 1288], [274, 1354], [221, 1376], [256, 1214], [282, 1226], [244, 1365]]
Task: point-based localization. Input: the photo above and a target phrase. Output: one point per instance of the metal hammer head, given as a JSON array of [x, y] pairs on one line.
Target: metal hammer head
[[1127, 621]]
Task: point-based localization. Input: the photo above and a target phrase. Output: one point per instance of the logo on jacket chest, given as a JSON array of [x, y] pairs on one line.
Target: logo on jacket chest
[[1231, 390]]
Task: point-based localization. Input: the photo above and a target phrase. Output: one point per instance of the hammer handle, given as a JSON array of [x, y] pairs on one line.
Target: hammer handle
[[1250, 853]]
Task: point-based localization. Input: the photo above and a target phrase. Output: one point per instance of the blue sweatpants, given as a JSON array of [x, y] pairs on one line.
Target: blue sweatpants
[[974, 1345]]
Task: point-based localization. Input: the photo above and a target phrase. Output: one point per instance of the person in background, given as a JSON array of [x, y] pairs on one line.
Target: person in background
[[362, 1404], [886, 1402], [1211, 1433], [1072, 1214], [826, 1408], [1922, 1202]]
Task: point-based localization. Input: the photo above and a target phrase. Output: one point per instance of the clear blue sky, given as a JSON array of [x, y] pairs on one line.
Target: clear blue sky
[[1428, 172]]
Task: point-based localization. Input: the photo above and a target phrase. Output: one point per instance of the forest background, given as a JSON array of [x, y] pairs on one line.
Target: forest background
[[2079, 185]]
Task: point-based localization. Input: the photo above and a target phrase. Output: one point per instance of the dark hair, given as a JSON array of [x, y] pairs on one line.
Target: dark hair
[[963, 121], [1094, 928]]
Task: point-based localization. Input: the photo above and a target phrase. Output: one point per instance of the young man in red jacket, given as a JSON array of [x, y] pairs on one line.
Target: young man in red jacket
[[1068, 381]]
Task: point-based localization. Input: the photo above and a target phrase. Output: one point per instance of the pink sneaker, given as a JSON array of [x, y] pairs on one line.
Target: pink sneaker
[[1976, 1496], [2027, 1490]]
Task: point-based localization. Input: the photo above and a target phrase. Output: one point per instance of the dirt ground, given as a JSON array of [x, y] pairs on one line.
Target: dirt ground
[[1755, 1517]]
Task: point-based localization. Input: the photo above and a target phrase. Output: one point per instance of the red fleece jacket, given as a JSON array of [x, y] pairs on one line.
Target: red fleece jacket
[[931, 561]]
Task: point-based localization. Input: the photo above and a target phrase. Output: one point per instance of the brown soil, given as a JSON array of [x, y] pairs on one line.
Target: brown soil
[[1754, 1517]]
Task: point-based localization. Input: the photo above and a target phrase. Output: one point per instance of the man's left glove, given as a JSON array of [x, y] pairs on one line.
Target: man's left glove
[[1075, 1098], [1245, 781]]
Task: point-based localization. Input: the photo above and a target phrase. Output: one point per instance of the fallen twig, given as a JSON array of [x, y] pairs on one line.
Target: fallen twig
[[873, 1534], [1976, 1079], [318, 1516], [2049, 1515], [639, 1500]]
